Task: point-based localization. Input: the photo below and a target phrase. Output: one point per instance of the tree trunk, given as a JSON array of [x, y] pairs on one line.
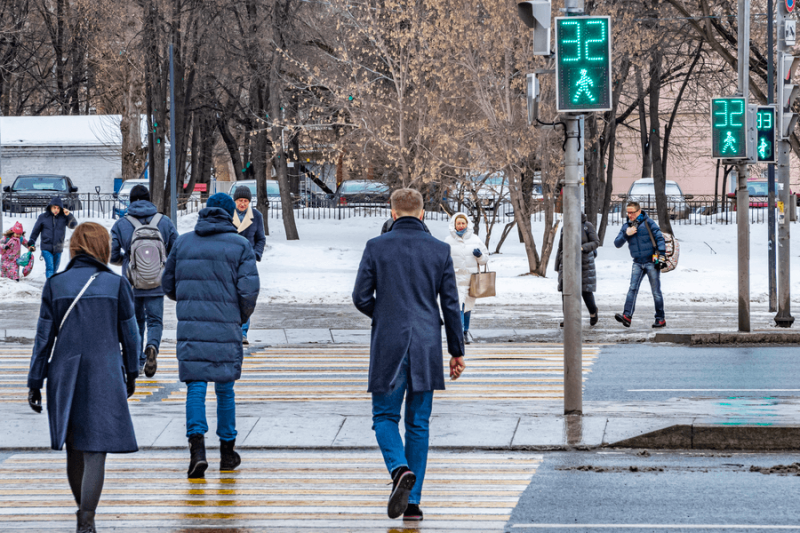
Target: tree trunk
[[133, 155], [659, 179], [647, 171]]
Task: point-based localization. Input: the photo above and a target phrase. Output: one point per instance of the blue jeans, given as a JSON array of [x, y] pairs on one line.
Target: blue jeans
[[654, 275], [150, 313], [385, 421], [245, 328], [465, 318], [196, 409], [51, 263]]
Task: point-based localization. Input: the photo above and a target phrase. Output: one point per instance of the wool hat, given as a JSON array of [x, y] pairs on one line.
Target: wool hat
[[223, 201], [140, 192], [17, 228], [243, 192]]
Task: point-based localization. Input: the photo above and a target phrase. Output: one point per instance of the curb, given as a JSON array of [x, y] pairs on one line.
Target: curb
[[718, 437], [727, 339]]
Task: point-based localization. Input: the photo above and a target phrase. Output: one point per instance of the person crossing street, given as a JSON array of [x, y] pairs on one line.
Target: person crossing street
[[52, 226], [136, 248], [250, 225], [401, 276]]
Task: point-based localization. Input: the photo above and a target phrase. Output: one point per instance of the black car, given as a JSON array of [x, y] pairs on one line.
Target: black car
[[361, 193], [34, 191]]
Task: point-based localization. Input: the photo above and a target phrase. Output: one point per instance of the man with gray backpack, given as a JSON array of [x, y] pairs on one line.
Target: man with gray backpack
[[141, 242]]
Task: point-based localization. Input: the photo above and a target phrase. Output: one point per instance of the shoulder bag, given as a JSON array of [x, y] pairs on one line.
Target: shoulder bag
[[71, 307]]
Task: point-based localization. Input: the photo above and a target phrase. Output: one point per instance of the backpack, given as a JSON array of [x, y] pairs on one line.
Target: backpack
[[147, 254], [672, 249]]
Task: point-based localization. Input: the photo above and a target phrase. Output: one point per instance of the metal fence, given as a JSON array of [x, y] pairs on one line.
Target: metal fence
[[697, 210]]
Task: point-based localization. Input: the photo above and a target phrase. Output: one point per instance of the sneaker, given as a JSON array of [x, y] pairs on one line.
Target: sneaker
[[402, 483], [660, 323], [625, 320], [593, 319], [467, 337], [150, 365], [413, 513], [245, 342]]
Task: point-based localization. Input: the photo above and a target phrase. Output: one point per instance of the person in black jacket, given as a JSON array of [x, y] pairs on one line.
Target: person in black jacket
[[149, 302], [589, 244], [88, 355], [250, 225], [641, 232], [52, 226]]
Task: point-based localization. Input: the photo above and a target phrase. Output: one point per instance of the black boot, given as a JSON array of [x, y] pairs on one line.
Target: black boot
[[228, 459], [403, 481], [151, 363], [197, 450], [85, 522]]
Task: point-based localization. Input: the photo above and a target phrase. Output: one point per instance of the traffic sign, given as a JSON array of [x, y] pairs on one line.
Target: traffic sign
[[583, 64], [729, 128], [765, 128], [789, 5]]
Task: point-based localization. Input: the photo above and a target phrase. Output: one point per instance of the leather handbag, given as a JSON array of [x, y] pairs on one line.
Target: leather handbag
[[481, 284]]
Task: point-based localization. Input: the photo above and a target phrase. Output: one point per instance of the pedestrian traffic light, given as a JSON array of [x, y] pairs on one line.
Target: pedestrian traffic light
[[787, 94], [765, 128], [583, 64], [729, 128], [536, 15]]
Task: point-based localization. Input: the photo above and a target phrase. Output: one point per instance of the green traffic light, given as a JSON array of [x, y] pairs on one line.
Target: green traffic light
[[728, 128], [765, 128], [583, 63]]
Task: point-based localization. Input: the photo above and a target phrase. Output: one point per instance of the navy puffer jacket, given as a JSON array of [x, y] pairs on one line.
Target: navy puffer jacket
[[640, 245], [122, 234], [211, 273], [52, 228]]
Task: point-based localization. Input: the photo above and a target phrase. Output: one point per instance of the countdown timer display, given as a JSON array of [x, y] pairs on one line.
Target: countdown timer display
[[583, 64]]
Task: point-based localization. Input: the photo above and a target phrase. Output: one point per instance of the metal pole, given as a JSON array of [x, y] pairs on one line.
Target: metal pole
[[742, 195], [1, 179], [173, 180], [773, 290], [784, 317], [573, 336]]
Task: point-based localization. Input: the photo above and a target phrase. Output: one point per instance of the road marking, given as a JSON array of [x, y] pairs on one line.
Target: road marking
[[713, 390], [650, 526], [319, 490]]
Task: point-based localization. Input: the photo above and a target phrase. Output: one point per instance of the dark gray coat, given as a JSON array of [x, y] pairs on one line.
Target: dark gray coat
[[589, 244], [86, 394], [403, 276]]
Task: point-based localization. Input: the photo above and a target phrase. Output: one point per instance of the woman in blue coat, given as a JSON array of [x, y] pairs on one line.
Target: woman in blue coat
[[88, 378], [52, 226]]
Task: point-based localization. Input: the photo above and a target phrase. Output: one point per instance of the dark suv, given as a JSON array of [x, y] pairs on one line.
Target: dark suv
[[34, 191]]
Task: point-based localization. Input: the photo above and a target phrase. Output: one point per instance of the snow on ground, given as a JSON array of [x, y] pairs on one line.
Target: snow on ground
[[321, 267]]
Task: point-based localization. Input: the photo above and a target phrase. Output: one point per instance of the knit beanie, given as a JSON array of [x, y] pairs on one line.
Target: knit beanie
[[223, 201], [140, 192], [242, 192]]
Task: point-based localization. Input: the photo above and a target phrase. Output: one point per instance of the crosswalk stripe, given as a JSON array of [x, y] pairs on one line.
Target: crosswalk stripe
[[336, 373], [302, 490]]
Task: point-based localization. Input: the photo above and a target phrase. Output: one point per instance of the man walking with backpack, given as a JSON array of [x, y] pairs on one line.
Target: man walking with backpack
[[141, 243], [647, 247]]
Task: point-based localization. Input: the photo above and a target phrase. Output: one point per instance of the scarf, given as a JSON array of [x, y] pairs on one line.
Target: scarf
[[243, 224], [461, 233]]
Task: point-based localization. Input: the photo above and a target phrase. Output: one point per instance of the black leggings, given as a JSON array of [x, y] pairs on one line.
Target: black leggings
[[86, 472], [588, 299]]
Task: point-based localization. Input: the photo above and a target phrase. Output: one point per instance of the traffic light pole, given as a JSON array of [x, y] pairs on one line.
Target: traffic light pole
[[573, 335], [784, 317], [742, 194], [773, 289]]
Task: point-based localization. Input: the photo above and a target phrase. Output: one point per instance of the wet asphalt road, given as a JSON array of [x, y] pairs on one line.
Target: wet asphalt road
[[682, 492], [653, 372]]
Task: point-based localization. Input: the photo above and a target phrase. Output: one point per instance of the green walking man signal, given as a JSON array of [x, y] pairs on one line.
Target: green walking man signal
[[583, 64], [729, 128], [765, 128]]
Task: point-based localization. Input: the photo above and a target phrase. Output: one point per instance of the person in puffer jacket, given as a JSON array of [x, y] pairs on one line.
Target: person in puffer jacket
[[589, 244], [469, 254], [52, 226], [211, 273], [11, 244]]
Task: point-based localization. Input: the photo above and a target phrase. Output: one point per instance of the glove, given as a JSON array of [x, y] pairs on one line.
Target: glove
[[131, 386], [35, 400], [630, 231], [662, 261], [477, 252]]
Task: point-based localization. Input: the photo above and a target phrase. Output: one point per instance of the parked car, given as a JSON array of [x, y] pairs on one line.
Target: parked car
[[759, 194], [34, 191], [122, 198], [643, 191], [361, 193], [273, 192]]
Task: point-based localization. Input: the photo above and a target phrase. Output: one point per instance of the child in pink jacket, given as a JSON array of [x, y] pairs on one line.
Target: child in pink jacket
[[11, 246]]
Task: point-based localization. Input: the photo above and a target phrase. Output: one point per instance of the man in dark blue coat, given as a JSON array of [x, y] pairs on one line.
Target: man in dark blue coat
[[250, 225], [212, 274], [640, 232], [149, 302], [401, 276], [52, 226]]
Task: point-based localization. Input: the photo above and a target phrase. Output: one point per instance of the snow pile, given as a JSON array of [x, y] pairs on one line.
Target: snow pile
[[322, 266]]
